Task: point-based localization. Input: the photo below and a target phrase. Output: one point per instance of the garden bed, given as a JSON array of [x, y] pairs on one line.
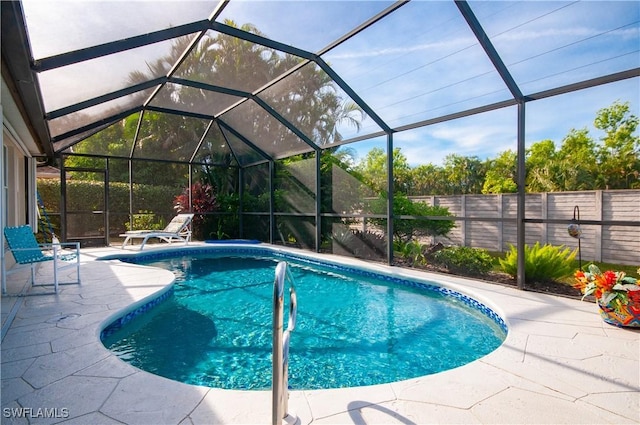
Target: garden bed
[[548, 287]]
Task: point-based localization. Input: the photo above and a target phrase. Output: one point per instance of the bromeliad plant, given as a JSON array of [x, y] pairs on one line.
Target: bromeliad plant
[[611, 289]]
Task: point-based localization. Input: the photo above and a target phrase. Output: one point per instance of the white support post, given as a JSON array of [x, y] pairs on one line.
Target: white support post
[[463, 213], [545, 214], [597, 243], [500, 224]]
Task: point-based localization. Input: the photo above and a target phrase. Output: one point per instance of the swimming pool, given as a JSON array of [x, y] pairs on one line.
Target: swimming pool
[[354, 327]]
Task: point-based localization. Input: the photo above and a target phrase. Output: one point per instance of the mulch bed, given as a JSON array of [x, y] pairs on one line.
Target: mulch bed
[[547, 287]]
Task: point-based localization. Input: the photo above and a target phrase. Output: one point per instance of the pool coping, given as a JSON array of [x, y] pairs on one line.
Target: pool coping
[[560, 363]]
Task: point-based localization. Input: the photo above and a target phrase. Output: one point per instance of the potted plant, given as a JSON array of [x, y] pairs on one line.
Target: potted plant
[[617, 295]]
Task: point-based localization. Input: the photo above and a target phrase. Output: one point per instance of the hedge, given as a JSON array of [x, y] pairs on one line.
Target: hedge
[[87, 196]]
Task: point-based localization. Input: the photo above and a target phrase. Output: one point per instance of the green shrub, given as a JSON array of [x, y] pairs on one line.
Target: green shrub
[[411, 251], [464, 258], [541, 263], [88, 195], [228, 225], [200, 199], [404, 230], [146, 220]]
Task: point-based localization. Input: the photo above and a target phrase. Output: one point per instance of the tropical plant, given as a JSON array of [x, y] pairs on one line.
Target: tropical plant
[[203, 201], [411, 251], [228, 221], [427, 179], [373, 244], [577, 148], [542, 167], [613, 289], [342, 236], [541, 263], [465, 174]]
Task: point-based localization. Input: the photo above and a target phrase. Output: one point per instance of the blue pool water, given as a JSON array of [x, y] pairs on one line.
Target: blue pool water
[[215, 328]]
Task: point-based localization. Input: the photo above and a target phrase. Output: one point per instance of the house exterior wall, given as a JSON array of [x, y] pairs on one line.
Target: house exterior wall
[[17, 170]]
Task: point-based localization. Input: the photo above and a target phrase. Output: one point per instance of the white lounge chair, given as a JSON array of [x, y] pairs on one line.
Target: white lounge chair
[[178, 229]]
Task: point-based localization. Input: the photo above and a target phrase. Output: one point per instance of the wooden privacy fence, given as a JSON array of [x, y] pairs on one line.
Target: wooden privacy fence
[[611, 242]]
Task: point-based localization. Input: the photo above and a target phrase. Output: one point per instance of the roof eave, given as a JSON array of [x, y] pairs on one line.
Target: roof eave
[[19, 77]]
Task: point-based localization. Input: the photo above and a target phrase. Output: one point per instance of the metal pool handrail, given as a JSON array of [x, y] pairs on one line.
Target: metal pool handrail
[[280, 357]]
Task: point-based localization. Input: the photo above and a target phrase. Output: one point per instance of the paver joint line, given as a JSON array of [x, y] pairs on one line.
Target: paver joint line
[[545, 359]]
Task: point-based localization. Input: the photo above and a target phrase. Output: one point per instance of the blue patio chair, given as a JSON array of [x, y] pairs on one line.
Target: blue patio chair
[[26, 251]]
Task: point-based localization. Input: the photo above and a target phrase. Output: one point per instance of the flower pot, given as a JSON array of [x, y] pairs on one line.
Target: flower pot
[[626, 316]]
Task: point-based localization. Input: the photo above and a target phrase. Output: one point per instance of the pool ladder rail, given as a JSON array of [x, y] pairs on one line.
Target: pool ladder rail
[[280, 357]]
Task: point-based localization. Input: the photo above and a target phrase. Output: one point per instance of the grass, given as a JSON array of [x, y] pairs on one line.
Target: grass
[[629, 270]]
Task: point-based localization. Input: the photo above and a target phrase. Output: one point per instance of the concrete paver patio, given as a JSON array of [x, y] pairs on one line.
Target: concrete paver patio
[[560, 364]]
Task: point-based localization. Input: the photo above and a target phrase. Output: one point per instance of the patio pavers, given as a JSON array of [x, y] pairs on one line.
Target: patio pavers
[[559, 364]]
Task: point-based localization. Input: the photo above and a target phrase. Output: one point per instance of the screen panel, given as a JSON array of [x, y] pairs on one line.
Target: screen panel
[[295, 185], [168, 136]]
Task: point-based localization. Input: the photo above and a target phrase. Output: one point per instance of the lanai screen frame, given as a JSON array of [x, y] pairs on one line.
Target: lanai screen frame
[[31, 95]]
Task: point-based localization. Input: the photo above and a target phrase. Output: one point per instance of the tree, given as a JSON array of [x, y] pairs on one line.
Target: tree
[[580, 163], [373, 168], [114, 141], [501, 174], [428, 179], [619, 155], [465, 174], [308, 98], [542, 167], [576, 168]]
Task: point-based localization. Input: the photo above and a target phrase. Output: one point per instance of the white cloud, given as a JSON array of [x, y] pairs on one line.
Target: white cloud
[[448, 44], [563, 33], [488, 134]]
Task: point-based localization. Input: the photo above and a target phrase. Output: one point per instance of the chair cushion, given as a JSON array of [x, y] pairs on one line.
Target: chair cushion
[[177, 224]]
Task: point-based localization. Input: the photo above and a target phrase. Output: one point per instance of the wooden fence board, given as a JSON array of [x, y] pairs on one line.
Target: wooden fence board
[[615, 244]]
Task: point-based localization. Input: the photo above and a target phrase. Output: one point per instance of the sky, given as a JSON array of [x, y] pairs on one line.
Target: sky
[[420, 62], [488, 134]]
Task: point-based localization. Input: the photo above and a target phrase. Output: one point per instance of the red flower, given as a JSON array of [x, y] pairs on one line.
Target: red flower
[[610, 279], [606, 281], [634, 296]]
